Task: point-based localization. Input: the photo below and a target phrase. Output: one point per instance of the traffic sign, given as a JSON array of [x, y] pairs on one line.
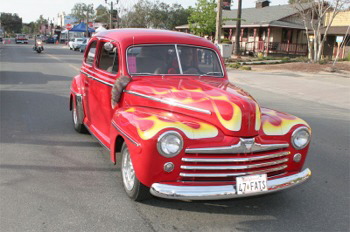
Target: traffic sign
[[69, 26]]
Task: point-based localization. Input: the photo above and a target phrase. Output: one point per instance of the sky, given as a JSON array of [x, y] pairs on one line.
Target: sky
[[30, 10]]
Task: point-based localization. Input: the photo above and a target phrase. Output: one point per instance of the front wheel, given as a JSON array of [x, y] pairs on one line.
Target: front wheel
[[132, 186], [38, 50]]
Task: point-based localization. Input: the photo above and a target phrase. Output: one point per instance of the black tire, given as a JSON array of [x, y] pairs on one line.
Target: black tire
[[70, 48], [79, 127], [136, 191], [38, 50]]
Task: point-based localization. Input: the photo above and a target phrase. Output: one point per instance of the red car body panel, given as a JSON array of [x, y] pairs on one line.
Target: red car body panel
[[205, 111]]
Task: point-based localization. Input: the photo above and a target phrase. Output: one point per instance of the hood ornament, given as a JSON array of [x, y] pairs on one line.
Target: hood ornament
[[248, 143]]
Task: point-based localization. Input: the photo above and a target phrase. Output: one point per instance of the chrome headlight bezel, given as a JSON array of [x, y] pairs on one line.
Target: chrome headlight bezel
[[297, 133], [162, 138]]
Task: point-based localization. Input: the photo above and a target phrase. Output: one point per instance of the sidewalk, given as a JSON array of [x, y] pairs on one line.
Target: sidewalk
[[325, 88]]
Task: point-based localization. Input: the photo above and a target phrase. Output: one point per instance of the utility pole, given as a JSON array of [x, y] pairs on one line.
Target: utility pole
[[238, 29], [111, 14], [218, 22]]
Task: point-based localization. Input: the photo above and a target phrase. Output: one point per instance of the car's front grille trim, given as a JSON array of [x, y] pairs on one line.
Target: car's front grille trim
[[239, 148], [215, 175], [227, 160], [234, 167]]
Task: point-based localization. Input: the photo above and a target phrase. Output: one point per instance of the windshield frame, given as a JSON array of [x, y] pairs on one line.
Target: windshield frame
[[178, 60]]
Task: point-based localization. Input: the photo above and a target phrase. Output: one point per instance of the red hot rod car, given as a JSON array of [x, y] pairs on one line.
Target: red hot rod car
[[162, 101]]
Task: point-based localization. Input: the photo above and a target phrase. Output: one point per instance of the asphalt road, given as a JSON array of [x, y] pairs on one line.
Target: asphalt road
[[54, 179]]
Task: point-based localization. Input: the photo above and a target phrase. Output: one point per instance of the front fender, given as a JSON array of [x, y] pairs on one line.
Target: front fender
[[141, 127]]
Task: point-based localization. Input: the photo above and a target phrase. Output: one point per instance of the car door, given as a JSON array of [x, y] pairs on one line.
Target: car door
[[105, 71], [86, 72]]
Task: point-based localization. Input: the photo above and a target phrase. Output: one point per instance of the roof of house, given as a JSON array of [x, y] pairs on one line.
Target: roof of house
[[336, 30], [263, 17]]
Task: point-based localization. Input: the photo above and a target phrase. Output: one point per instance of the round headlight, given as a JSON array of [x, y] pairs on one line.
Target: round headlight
[[301, 138], [170, 144]]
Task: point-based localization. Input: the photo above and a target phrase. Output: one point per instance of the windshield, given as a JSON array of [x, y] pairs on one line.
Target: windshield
[[172, 59]]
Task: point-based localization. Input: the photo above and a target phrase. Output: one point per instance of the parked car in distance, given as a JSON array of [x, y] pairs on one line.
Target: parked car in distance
[[75, 43], [84, 44], [50, 40], [161, 103], [21, 38]]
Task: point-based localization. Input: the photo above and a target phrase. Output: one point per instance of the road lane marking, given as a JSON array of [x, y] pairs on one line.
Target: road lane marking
[[56, 58]]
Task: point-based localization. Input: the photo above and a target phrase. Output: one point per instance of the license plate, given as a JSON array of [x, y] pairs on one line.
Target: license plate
[[251, 184]]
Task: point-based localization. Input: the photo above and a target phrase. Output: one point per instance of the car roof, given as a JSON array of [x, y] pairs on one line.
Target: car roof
[[130, 36]]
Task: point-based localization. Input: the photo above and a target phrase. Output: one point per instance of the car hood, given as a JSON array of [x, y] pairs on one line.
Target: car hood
[[217, 102]]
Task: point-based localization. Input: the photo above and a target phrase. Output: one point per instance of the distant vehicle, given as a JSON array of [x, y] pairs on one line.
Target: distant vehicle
[[21, 38], [83, 45], [38, 46], [50, 40], [74, 44]]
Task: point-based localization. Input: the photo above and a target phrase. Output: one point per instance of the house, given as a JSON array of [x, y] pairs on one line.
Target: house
[[272, 30], [338, 35]]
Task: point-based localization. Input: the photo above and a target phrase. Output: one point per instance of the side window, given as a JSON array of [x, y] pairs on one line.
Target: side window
[[91, 54], [108, 60]]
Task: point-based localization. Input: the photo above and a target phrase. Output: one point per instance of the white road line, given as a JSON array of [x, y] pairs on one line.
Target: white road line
[[56, 58]]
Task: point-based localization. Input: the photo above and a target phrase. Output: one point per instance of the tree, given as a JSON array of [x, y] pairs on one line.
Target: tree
[[39, 24], [202, 20], [314, 15], [83, 12], [11, 23], [139, 16], [102, 14], [145, 14]]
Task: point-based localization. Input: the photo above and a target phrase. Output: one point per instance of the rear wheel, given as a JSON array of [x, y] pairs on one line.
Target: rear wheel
[[132, 186], [76, 111]]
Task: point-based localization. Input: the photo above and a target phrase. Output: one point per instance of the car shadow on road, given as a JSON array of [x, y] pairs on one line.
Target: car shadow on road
[[272, 212], [39, 118], [10, 78]]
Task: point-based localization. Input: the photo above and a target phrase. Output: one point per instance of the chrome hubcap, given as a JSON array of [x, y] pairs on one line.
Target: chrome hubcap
[[75, 116], [128, 171]]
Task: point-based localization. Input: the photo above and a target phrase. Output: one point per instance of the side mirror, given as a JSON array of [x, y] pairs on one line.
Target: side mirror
[[108, 46]]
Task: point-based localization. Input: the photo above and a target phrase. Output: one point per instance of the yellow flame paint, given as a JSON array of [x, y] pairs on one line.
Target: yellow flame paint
[[257, 117], [204, 131], [284, 127]]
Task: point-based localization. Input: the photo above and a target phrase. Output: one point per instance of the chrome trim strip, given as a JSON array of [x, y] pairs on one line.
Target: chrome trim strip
[[96, 79], [233, 174], [226, 160], [224, 191], [235, 167], [238, 148], [85, 73], [103, 82], [178, 59], [125, 134], [168, 102]]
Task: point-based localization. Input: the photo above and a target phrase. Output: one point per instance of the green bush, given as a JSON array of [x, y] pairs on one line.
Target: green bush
[[234, 65], [260, 56], [324, 61], [226, 41], [246, 68], [301, 59]]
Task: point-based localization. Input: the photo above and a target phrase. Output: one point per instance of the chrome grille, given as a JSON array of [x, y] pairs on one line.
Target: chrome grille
[[225, 167]]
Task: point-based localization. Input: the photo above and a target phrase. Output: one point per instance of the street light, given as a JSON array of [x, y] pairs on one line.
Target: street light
[[111, 13]]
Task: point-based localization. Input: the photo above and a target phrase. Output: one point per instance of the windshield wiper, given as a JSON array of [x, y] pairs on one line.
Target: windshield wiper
[[211, 74]]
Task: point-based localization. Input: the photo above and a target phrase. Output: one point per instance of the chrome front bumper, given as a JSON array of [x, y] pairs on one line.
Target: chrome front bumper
[[224, 191]]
